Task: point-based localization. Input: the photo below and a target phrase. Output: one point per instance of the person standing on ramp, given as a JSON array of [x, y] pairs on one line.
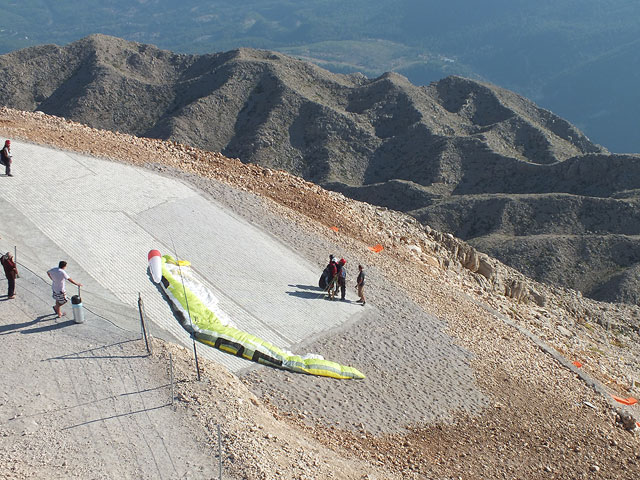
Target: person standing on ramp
[[11, 272], [5, 158], [342, 278], [59, 277], [360, 285]]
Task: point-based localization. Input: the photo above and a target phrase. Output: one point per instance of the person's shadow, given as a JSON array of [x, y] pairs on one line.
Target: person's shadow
[[47, 328], [307, 287], [13, 327], [310, 292]]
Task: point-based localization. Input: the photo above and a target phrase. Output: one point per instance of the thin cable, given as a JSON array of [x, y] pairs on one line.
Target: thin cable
[[107, 320], [22, 265], [47, 282], [184, 289], [34, 273]]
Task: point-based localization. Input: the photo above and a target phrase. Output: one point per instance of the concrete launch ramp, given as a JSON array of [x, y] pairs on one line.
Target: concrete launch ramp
[[103, 217]]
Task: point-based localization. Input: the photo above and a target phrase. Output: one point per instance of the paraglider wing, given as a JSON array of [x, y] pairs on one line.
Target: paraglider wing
[[205, 320]]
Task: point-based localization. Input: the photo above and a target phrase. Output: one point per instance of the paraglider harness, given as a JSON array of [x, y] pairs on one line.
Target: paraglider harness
[[328, 280], [323, 283]]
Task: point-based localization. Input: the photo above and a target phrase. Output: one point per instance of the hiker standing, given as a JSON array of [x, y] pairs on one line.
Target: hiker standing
[[11, 272], [342, 278], [5, 157], [333, 277], [58, 277], [360, 285]]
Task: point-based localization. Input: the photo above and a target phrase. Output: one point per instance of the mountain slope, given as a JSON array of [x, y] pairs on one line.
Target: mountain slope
[[267, 107], [453, 153], [540, 50]]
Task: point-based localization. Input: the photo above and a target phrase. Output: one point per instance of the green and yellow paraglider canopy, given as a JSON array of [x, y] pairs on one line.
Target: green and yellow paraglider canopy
[[186, 293]]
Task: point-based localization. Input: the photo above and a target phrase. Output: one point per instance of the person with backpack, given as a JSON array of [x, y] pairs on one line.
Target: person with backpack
[[5, 158], [323, 283], [332, 284], [342, 278]]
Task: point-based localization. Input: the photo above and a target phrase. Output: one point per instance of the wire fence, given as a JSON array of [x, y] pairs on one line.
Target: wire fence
[[143, 327], [144, 335]]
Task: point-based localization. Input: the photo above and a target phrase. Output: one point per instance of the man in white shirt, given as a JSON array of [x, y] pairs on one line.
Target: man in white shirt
[[58, 276]]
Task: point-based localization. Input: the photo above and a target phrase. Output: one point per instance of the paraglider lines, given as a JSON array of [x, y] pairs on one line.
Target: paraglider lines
[[193, 337]]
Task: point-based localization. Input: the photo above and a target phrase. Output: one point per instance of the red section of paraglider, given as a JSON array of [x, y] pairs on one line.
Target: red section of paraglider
[[155, 265]]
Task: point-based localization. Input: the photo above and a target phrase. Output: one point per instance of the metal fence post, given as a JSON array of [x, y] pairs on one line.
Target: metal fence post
[[195, 355], [142, 322], [15, 257], [173, 393], [219, 453]]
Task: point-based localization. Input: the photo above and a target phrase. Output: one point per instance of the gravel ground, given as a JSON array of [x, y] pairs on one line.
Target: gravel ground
[[512, 411], [393, 340]]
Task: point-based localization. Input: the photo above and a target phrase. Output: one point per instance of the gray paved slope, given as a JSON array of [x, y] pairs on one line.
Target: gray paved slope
[[90, 391], [109, 215], [104, 217]]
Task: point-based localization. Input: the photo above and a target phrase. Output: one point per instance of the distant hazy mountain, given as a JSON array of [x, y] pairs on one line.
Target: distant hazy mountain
[[467, 157], [577, 58]]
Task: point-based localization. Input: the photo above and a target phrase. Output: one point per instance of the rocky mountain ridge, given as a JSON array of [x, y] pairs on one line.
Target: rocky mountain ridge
[[469, 158]]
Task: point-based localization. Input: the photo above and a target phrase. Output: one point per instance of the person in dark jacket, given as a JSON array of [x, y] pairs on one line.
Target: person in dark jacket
[[360, 281], [342, 278], [5, 158], [11, 272]]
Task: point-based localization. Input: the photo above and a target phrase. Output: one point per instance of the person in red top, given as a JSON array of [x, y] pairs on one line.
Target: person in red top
[[5, 158], [342, 279], [11, 272]]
